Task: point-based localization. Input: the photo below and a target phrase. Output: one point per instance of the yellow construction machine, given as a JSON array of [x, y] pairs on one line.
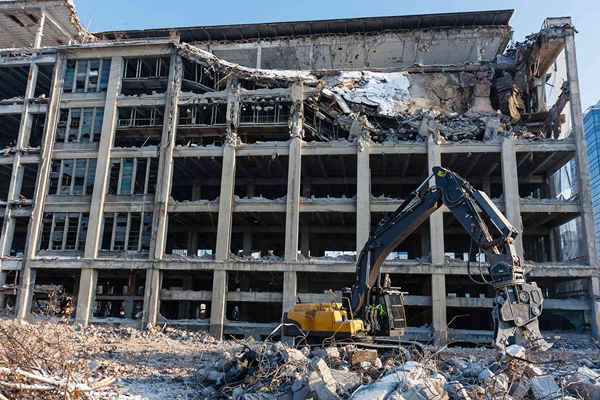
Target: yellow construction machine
[[373, 308]]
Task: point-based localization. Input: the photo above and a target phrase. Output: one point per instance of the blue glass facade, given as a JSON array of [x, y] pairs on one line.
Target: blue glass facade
[[591, 122]]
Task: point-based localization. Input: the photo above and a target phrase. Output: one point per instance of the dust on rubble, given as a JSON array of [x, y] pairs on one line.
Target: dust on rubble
[[57, 360]]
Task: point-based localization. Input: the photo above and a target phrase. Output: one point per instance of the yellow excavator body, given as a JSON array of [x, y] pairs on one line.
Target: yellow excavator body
[[324, 320]]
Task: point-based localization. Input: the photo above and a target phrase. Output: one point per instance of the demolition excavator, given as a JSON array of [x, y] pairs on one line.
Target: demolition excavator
[[372, 308]]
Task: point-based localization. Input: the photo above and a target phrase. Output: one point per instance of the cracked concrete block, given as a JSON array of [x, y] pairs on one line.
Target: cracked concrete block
[[545, 387]]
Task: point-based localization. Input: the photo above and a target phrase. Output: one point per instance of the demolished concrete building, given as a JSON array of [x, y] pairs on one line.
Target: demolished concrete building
[[214, 176]]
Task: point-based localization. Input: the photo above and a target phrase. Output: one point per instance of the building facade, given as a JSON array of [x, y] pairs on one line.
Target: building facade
[[591, 122], [214, 176]]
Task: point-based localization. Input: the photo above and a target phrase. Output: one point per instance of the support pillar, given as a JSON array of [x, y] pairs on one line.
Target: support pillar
[[438, 278], [86, 295], [510, 182], [160, 217], [588, 234], [152, 297], [87, 290], [25, 295], [587, 217], [219, 290], [226, 204], [218, 303], [363, 196]]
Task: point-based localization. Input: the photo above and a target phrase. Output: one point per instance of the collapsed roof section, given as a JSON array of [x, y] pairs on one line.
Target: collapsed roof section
[[452, 103], [20, 20]]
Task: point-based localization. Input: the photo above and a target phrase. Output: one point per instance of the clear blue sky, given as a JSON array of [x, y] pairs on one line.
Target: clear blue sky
[[138, 14]]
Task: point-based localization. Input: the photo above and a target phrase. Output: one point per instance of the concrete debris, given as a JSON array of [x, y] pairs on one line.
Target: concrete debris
[[179, 363]]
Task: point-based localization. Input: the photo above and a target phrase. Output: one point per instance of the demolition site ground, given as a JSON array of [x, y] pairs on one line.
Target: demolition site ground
[[56, 360]]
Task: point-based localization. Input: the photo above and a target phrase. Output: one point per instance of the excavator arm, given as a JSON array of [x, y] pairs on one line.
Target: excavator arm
[[517, 304]]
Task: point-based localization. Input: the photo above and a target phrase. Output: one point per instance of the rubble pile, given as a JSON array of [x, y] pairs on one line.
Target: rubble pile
[[58, 360], [41, 362], [274, 371]]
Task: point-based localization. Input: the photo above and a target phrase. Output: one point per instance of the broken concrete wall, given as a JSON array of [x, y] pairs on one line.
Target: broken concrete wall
[[366, 51]]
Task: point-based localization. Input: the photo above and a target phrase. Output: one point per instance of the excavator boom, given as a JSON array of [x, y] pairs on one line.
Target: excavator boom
[[517, 305]]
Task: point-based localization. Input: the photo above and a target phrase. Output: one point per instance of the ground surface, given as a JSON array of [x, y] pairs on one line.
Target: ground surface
[[163, 363]]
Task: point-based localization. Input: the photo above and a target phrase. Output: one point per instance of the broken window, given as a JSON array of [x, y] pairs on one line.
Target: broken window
[[261, 177], [19, 239], [331, 235], [320, 127], [133, 176], [258, 235], [327, 176], [200, 78], [5, 177], [44, 80], [119, 293], [64, 231], [37, 130], [79, 125], [13, 83], [72, 177], [86, 76], [139, 126], [192, 234], [145, 75], [194, 283], [201, 123], [29, 181], [264, 111], [127, 232], [196, 178], [9, 125]]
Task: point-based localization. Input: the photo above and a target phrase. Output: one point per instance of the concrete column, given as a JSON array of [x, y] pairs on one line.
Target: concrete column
[[101, 179], [218, 303], [594, 288], [163, 191], [587, 217], [436, 241], [88, 278], [363, 196], [226, 204], [292, 219], [86, 295], [588, 233], [165, 165], [27, 283], [151, 297], [228, 175], [510, 182], [290, 290]]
